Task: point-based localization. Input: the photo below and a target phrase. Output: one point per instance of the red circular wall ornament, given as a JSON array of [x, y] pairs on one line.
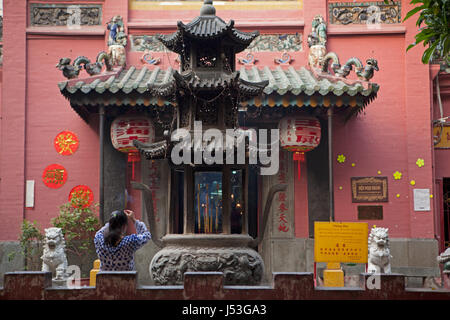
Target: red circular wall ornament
[[81, 196], [54, 176], [66, 143]]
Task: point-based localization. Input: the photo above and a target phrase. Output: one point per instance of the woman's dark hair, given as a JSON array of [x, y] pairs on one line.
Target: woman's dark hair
[[116, 222]]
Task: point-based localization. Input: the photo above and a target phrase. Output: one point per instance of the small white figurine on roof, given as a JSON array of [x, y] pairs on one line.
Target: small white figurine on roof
[[117, 41]]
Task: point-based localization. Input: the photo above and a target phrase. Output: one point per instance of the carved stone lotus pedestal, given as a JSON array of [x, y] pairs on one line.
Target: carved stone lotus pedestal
[[229, 254], [207, 89]]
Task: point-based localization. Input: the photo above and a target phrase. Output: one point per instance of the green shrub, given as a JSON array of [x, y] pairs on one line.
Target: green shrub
[[31, 244], [79, 226]]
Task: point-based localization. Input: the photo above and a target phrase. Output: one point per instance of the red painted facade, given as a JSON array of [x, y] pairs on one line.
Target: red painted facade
[[394, 131]]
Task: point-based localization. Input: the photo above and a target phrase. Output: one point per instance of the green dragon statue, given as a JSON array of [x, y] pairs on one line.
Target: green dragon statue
[[71, 71], [364, 73]]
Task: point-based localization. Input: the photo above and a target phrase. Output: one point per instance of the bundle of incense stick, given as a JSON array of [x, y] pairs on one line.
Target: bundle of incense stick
[[211, 222], [207, 212], [205, 222], [217, 221], [217, 204], [198, 208]]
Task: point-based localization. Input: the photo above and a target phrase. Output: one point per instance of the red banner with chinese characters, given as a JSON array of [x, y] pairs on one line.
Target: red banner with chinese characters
[[281, 202], [66, 143], [54, 176], [81, 196], [283, 219]]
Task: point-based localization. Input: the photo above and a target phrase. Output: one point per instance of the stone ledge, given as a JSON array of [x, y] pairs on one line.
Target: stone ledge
[[65, 31], [364, 29], [207, 286], [245, 25], [417, 271]]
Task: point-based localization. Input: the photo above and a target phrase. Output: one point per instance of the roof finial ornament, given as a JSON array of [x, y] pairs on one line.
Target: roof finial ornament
[[208, 9]]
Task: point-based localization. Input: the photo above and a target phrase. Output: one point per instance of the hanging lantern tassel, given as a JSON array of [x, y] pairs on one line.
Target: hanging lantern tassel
[[299, 157], [133, 157]]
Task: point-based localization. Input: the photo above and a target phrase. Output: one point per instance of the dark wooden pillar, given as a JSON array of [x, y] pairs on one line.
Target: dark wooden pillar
[[330, 162], [102, 158], [189, 219], [115, 174], [317, 162]]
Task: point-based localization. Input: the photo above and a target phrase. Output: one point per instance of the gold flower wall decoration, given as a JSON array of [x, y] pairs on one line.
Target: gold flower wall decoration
[[341, 158], [420, 162], [397, 175]]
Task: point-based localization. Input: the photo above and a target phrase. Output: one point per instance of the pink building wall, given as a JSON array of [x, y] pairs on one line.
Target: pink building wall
[[392, 134], [394, 131], [49, 114], [442, 156], [12, 154], [33, 113]]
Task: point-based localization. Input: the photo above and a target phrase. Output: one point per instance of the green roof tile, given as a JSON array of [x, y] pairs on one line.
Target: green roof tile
[[282, 82]]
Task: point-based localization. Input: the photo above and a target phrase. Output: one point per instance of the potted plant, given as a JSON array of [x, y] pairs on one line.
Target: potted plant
[[79, 223]]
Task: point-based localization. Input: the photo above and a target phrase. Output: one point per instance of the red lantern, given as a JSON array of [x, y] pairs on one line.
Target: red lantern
[[127, 128], [299, 134]]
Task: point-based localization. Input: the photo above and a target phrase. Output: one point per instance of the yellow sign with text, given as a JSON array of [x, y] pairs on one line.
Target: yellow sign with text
[[340, 242]]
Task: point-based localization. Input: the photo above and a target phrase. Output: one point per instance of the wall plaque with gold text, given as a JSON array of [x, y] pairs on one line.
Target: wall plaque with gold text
[[369, 189]]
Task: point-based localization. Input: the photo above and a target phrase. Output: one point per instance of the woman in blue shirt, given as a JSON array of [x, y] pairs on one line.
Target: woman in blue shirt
[[114, 248]]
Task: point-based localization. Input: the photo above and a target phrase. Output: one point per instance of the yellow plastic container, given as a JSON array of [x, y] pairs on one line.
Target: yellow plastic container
[[93, 273], [333, 276]]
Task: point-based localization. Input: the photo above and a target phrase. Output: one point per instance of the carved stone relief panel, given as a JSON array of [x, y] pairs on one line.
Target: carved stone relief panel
[[65, 14], [147, 43], [240, 266], [345, 13], [265, 42], [276, 42]]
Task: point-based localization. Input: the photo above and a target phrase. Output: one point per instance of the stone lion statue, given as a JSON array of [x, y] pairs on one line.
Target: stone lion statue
[[54, 258], [379, 254], [444, 258]]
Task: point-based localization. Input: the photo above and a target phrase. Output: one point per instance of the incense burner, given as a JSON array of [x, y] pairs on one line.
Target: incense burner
[[208, 220]]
